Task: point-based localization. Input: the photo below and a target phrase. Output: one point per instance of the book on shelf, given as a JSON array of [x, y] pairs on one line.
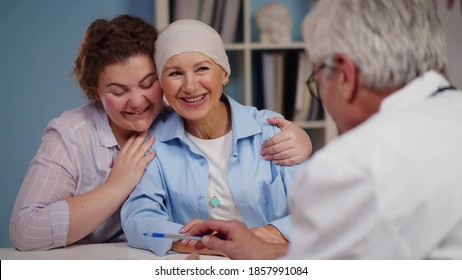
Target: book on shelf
[[300, 95], [303, 97], [314, 110], [273, 80], [186, 9], [290, 73], [218, 15], [279, 82], [222, 15], [269, 87], [230, 18], [257, 84], [206, 13], [317, 112]]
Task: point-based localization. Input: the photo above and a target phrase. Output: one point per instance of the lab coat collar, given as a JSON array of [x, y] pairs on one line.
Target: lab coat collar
[[415, 91]]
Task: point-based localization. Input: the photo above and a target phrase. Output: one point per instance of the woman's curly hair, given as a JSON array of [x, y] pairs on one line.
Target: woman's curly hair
[[110, 41]]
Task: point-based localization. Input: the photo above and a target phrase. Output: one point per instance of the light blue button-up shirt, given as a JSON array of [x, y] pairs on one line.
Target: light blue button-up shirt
[[174, 189]]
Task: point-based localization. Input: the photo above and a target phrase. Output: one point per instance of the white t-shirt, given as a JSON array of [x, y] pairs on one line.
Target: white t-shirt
[[221, 203]]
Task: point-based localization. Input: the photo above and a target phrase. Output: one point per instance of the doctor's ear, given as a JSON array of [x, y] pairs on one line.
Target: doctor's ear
[[350, 75]]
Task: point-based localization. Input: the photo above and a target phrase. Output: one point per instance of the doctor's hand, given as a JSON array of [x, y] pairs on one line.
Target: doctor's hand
[[185, 246], [235, 240], [290, 146]]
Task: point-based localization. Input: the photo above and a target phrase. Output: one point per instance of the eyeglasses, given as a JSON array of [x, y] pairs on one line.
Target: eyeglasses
[[312, 85]]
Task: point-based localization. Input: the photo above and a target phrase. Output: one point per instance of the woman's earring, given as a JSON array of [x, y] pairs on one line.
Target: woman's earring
[[225, 83]]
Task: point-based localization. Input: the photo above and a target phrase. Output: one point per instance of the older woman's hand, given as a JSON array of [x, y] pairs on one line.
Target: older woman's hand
[[270, 234]]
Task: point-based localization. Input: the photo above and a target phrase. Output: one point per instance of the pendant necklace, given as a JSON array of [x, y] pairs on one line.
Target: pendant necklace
[[215, 201]]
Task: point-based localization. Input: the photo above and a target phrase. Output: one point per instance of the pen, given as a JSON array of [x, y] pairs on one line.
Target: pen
[[171, 235]]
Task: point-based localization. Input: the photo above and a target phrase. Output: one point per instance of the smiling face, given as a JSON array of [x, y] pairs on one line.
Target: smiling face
[[193, 84], [131, 95]]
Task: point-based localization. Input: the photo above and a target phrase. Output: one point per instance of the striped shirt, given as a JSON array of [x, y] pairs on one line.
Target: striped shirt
[[76, 155]]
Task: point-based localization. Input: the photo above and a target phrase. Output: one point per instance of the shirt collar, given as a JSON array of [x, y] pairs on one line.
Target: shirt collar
[[248, 125], [103, 128], [417, 90]]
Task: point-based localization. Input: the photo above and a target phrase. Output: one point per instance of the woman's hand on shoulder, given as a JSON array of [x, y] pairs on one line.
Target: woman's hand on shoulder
[[132, 161]]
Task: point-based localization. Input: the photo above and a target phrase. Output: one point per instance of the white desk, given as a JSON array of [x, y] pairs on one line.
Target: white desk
[[106, 251]]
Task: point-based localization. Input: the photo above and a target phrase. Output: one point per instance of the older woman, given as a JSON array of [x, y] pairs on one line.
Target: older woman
[[208, 162]]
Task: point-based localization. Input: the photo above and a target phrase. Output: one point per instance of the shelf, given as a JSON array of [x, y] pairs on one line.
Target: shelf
[[265, 46]]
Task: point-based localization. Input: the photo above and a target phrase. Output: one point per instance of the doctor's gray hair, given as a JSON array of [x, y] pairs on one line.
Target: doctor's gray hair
[[390, 41]]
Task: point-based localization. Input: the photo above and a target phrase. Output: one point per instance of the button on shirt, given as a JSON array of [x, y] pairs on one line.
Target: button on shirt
[[174, 188], [391, 188], [76, 155]]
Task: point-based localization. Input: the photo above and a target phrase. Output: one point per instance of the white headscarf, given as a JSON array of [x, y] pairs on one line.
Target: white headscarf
[[189, 35]]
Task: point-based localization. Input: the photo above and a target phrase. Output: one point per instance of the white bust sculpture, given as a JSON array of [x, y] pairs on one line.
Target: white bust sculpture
[[274, 22]]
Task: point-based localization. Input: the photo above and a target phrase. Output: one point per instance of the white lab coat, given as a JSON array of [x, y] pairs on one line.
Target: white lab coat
[[391, 188]]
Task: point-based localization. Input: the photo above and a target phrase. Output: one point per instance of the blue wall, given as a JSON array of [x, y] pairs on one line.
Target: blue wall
[[38, 44]]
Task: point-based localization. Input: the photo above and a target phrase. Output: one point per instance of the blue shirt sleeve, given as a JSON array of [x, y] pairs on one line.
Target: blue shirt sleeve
[[145, 211]]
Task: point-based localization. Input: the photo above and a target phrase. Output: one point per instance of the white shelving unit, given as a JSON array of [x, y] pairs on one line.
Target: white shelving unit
[[321, 131]]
